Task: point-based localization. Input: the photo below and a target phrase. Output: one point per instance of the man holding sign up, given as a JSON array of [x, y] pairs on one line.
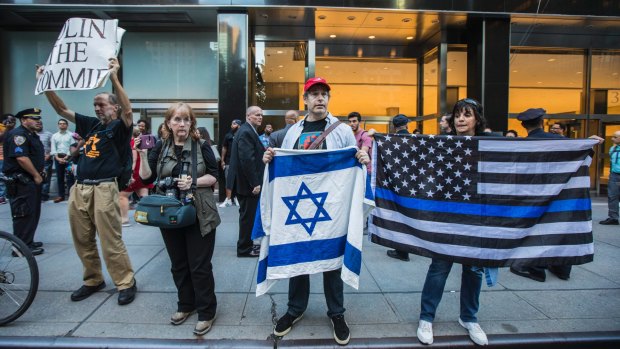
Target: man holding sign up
[[93, 200]]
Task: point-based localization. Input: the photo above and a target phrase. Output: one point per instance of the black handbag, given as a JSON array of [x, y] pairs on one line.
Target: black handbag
[[168, 212]]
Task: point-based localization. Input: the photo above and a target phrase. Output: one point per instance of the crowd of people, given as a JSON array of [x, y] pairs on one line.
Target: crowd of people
[[90, 164]]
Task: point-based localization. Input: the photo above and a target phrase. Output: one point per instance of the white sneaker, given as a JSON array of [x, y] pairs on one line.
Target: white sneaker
[[425, 332], [236, 202], [475, 332], [226, 203]]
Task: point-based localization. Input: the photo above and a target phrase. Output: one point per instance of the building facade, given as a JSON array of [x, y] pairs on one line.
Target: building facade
[[381, 58]]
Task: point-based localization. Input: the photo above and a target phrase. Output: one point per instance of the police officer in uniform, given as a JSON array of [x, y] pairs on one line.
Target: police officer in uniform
[[400, 122], [23, 166], [532, 121]]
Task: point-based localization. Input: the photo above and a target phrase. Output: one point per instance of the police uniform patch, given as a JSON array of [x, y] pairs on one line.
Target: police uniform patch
[[19, 140], [19, 150]]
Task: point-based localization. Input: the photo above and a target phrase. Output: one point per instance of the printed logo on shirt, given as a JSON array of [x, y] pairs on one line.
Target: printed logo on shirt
[[19, 140], [90, 147], [306, 139]]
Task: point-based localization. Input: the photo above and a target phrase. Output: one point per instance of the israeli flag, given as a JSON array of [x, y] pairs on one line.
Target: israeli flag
[[311, 215]]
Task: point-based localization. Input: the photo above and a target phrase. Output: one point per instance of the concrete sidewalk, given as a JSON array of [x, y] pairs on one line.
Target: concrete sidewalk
[[384, 310]]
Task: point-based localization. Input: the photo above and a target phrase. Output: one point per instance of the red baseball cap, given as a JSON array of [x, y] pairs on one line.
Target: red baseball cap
[[314, 81]]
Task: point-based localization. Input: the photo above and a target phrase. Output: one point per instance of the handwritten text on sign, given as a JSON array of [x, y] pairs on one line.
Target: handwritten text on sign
[[79, 58]]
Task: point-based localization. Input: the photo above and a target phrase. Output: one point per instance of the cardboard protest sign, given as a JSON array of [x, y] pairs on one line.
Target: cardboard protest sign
[[79, 59]]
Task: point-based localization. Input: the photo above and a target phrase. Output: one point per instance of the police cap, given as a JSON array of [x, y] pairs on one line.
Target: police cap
[[400, 120], [32, 113], [531, 114]]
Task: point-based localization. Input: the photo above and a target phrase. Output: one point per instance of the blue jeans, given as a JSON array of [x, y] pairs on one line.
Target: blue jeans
[[2, 186], [612, 194], [471, 283], [299, 292]]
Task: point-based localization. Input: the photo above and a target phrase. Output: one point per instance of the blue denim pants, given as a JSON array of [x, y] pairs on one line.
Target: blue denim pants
[[2, 186], [299, 292], [613, 192], [471, 283]]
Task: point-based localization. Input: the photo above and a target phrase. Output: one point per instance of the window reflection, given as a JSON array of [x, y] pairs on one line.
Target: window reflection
[[552, 80]]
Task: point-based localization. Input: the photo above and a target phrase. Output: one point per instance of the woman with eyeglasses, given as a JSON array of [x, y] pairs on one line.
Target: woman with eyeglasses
[[467, 120]]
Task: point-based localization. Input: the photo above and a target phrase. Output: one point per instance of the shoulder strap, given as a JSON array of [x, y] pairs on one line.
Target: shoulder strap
[[317, 142], [194, 165]]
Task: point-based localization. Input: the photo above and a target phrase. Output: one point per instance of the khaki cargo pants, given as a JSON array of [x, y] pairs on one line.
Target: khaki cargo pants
[[94, 209]]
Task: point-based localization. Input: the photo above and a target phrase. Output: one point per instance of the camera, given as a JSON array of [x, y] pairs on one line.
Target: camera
[[169, 186]]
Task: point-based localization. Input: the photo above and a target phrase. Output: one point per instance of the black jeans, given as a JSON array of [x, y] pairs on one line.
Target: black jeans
[[61, 172], [247, 212], [190, 254], [26, 211], [299, 293]]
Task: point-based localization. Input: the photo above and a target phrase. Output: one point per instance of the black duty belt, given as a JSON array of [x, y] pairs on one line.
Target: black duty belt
[[96, 181]]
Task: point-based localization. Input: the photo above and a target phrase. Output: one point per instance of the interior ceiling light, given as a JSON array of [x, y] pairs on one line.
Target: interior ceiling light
[[409, 38], [551, 60], [406, 19], [280, 77], [614, 74], [378, 19], [578, 72], [322, 17], [515, 71], [539, 82], [279, 52], [280, 66], [332, 36], [326, 67], [351, 18], [371, 37], [449, 69], [385, 68]]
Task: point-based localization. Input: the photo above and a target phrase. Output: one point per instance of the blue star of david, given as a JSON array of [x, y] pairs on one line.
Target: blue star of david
[[318, 199]]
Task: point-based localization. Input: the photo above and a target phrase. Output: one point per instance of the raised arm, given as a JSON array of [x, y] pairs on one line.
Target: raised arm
[[57, 103], [123, 100]]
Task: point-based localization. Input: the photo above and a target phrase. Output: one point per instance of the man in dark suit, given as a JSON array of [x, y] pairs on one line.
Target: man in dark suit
[[276, 138], [246, 169]]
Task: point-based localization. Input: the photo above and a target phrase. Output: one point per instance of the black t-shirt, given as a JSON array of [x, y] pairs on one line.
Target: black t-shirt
[[228, 140], [106, 148], [311, 131], [207, 155], [21, 142]]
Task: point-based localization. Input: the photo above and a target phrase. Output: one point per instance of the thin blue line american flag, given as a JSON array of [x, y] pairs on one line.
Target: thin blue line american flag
[[484, 201]]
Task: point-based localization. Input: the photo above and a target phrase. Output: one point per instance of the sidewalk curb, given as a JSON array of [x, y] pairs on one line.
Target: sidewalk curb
[[534, 340]]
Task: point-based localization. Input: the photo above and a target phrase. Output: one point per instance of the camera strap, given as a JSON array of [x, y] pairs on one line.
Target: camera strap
[[194, 166]]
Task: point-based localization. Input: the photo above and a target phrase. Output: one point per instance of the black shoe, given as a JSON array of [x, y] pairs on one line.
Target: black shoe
[[342, 335], [252, 253], [86, 291], [36, 244], [127, 295], [530, 273], [36, 250], [403, 256], [609, 221], [285, 324], [560, 272]]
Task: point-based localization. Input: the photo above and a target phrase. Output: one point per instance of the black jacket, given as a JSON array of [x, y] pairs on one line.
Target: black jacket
[[246, 161]]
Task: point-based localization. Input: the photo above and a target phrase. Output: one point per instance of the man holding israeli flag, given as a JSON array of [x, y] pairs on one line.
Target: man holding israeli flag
[[312, 212]]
